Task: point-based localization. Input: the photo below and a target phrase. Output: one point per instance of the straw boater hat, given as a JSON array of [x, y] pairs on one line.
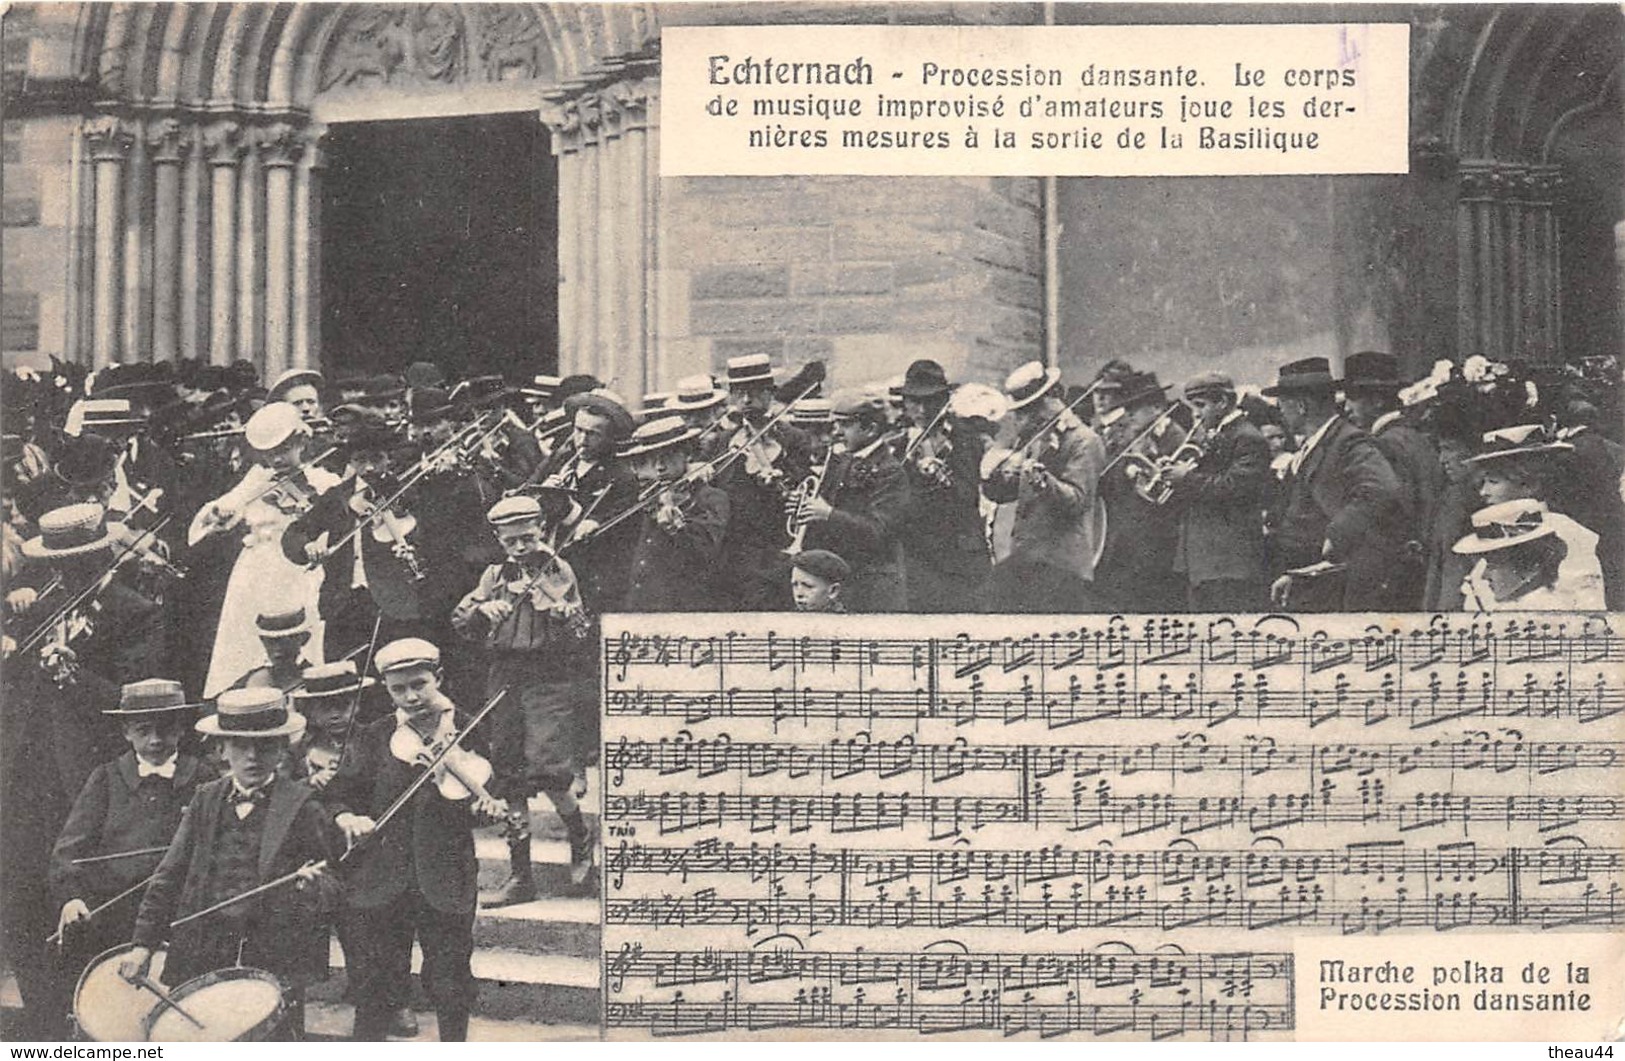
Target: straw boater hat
[[750, 370], [253, 713], [1310, 375], [1524, 440], [92, 414], [292, 378], [273, 424], [1503, 526], [288, 623], [153, 696], [72, 530], [541, 388], [659, 434], [406, 653], [1029, 383], [331, 679], [695, 393], [812, 412]]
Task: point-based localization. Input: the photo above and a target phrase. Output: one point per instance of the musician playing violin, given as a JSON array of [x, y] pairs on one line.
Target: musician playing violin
[[370, 554], [278, 489], [420, 878], [679, 543], [1136, 568], [589, 467], [528, 613], [1052, 475], [754, 566]]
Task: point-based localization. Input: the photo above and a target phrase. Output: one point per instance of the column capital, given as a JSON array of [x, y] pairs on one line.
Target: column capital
[[225, 143], [171, 140], [633, 100], [280, 146], [109, 138]]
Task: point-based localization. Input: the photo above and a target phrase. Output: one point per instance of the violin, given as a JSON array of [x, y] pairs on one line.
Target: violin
[[390, 528], [460, 773], [552, 588], [57, 657], [761, 455]]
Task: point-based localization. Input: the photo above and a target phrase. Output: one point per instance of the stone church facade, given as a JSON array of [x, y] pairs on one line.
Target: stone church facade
[[165, 164]]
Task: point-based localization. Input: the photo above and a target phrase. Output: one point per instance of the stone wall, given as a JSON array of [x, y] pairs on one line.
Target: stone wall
[[866, 274]]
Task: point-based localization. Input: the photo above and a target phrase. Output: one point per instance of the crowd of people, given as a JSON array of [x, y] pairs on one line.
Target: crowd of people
[[328, 598]]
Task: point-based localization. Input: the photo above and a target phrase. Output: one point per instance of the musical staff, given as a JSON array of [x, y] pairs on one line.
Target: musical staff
[[1210, 788]]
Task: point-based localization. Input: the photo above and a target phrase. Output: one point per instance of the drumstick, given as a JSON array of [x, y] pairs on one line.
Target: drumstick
[[56, 937], [137, 852], [163, 997]]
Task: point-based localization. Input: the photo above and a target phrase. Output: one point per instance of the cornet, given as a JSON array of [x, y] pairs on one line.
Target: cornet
[[795, 506]]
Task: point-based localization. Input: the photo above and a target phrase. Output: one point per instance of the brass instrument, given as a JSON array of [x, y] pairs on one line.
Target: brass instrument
[[1150, 473], [809, 488]]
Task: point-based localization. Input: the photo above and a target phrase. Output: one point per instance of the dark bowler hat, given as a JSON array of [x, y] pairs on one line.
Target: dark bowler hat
[[153, 696], [924, 379], [1142, 387], [331, 679], [823, 563], [1369, 370], [70, 531], [658, 435], [255, 713], [1311, 375], [85, 461], [580, 383]]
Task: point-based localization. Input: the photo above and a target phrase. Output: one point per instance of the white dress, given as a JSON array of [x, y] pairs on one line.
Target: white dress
[[262, 580]]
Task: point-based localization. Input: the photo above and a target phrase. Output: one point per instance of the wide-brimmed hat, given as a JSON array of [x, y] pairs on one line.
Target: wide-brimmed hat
[[99, 414], [273, 424], [1142, 387], [659, 434], [85, 461], [251, 713], [695, 393], [541, 388], [1505, 525], [71, 531], [1523, 440], [1310, 375], [1029, 383], [331, 679], [289, 622], [151, 696], [924, 379], [620, 420], [749, 370], [1370, 371], [292, 378]]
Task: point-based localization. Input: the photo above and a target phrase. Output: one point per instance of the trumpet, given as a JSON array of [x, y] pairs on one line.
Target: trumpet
[[805, 491], [1150, 475]]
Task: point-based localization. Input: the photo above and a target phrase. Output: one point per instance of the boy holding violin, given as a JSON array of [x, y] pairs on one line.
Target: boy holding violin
[[528, 613], [418, 878]]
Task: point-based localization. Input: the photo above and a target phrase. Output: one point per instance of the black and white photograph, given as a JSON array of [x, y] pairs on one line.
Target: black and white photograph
[[466, 583]]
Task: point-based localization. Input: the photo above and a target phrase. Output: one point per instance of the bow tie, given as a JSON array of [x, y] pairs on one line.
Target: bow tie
[[146, 769], [245, 802]]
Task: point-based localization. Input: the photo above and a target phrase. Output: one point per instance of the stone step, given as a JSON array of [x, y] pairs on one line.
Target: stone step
[[511, 985], [550, 865], [328, 1021], [566, 927]]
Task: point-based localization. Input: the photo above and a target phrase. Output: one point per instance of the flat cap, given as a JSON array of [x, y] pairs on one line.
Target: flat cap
[[515, 509], [823, 563], [1210, 383], [407, 652]]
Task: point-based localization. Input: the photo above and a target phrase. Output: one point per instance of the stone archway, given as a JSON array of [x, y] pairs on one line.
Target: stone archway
[[1536, 75], [197, 188]]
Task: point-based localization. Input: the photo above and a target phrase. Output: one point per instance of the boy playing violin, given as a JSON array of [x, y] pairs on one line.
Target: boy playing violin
[[419, 878], [528, 612], [239, 832]]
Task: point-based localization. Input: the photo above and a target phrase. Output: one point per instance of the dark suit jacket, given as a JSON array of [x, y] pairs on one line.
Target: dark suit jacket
[[679, 572], [390, 583], [119, 811], [941, 526], [755, 572], [428, 845], [603, 492], [1346, 493], [1221, 506], [869, 495], [285, 927]]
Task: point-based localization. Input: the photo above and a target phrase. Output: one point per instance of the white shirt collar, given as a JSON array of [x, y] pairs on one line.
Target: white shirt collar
[[1229, 418], [1384, 420], [1310, 443], [165, 769]]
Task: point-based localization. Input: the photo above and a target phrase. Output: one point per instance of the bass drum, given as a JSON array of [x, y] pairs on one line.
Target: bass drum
[[237, 1005], [108, 1008]]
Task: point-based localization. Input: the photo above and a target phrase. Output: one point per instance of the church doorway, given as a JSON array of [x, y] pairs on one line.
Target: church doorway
[[439, 242]]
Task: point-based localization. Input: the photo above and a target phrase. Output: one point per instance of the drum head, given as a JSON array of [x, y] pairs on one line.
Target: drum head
[[108, 1008], [233, 1005]]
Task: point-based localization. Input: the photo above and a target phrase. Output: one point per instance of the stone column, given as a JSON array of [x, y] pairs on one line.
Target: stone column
[[1510, 297], [225, 147], [109, 140], [171, 143], [307, 253], [194, 251], [564, 136], [250, 251], [279, 153], [136, 311]]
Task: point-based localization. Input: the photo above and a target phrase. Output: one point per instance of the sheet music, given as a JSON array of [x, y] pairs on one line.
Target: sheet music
[[1045, 826]]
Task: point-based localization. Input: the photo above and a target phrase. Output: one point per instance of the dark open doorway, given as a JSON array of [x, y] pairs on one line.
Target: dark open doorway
[[439, 242]]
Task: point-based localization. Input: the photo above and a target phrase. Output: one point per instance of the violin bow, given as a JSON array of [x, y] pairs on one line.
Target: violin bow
[[96, 585], [1050, 425], [57, 936], [355, 701]]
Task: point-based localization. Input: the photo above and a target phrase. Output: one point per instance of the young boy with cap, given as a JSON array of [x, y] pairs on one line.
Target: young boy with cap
[[129, 806], [817, 578], [528, 613], [420, 878], [239, 832]]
